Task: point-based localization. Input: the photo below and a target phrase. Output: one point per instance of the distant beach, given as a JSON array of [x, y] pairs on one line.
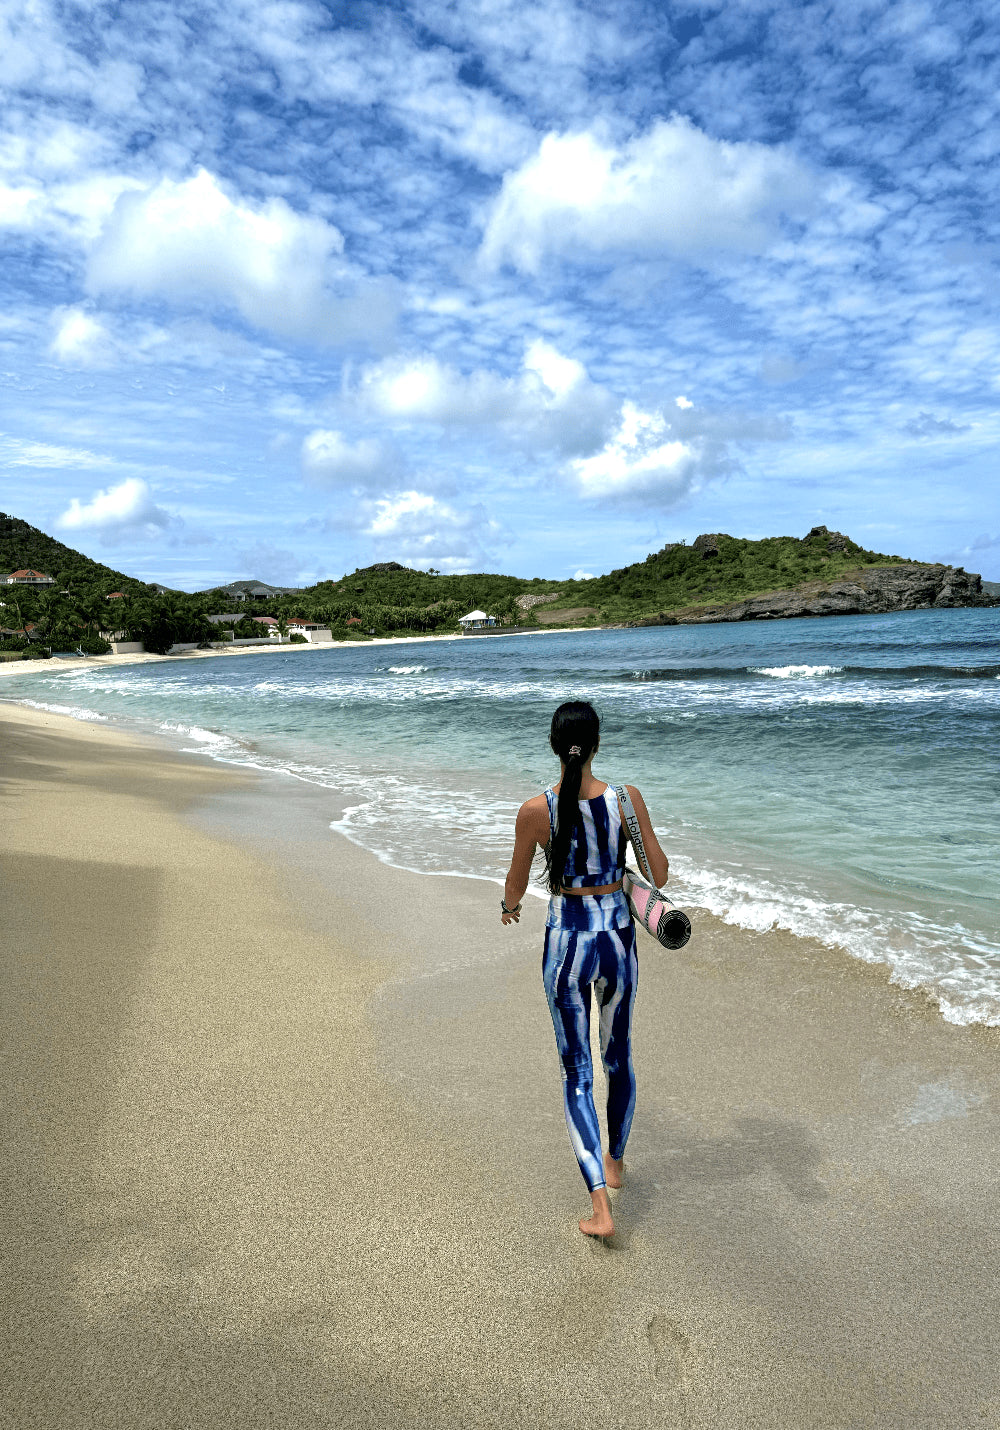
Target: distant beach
[[22, 667]]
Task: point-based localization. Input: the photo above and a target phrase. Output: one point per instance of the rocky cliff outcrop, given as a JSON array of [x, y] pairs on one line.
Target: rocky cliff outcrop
[[527, 602], [872, 590], [835, 540]]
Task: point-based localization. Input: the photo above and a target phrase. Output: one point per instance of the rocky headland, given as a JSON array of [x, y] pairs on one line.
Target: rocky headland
[[868, 590]]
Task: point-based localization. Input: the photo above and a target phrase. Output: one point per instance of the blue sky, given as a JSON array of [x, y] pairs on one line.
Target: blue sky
[[292, 287]]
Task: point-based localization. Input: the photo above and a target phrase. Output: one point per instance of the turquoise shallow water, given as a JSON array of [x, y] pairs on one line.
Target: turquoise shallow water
[[837, 778]]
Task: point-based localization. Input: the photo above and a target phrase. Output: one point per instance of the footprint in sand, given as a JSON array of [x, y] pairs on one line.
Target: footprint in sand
[[671, 1350]]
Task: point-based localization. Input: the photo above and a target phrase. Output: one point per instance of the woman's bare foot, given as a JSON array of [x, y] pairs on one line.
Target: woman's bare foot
[[614, 1172], [600, 1224]]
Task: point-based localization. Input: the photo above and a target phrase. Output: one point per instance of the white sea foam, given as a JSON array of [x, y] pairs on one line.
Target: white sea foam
[[76, 712], [207, 742], [957, 969], [407, 669], [796, 672]]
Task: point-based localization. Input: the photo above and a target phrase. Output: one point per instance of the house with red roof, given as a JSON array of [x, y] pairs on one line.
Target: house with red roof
[[28, 577], [270, 625]]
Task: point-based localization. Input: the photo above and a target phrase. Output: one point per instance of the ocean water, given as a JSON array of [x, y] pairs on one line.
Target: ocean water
[[837, 778]]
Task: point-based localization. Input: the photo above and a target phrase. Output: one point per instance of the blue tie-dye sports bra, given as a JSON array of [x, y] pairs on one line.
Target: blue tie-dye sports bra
[[596, 856]]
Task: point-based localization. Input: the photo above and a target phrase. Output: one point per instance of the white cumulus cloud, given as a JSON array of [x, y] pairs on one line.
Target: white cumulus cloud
[[53, 176], [393, 515], [127, 507], [18, 205], [607, 447], [421, 530], [425, 389], [80, 340], [550, 403], [674, 191], [190, 240], [642, 458], [329, 459]]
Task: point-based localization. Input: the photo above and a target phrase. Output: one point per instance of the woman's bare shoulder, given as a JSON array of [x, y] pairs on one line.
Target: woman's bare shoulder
[[537, 804], [534, 816]]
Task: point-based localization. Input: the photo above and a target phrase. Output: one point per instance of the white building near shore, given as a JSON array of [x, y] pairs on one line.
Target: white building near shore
[[476, 620], [314, 631]]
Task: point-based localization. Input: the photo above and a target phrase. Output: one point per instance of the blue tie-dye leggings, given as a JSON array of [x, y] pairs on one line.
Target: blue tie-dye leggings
[[573, 960]]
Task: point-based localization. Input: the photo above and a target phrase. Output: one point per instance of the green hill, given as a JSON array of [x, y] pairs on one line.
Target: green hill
[[388, 583], [677, 582], [715, 568], [23, 545], [718, 569], [76, 609], [717, 577]]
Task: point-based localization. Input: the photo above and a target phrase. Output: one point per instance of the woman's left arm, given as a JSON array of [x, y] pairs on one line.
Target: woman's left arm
[[659, 864], [531, 823]]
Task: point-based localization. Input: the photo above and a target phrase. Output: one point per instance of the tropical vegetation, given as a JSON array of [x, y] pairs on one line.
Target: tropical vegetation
[[90, 600]]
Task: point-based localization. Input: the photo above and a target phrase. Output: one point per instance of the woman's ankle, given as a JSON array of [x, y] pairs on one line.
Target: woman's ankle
[[614, 1170], [600, 1223]]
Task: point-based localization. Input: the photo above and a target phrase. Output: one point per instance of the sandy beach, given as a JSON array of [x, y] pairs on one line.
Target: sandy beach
[[285, 1145]]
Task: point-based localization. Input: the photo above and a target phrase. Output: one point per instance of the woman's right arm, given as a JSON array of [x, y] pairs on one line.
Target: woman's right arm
[[530, 830], [659, 864]]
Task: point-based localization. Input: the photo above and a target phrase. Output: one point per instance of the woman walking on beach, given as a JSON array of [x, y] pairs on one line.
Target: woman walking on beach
[[589, 940]]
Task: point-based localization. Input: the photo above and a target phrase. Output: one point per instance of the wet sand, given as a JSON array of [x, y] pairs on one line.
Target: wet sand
[[285, 1147]]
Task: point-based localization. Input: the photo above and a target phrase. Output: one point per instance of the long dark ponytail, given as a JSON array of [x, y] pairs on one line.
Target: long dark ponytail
[[576, 730]]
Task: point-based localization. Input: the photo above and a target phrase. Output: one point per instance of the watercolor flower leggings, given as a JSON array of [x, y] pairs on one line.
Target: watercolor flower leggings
[[573, 960]]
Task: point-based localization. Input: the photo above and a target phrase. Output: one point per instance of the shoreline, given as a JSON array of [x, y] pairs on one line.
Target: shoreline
[[287, 1144], [91, 662]]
